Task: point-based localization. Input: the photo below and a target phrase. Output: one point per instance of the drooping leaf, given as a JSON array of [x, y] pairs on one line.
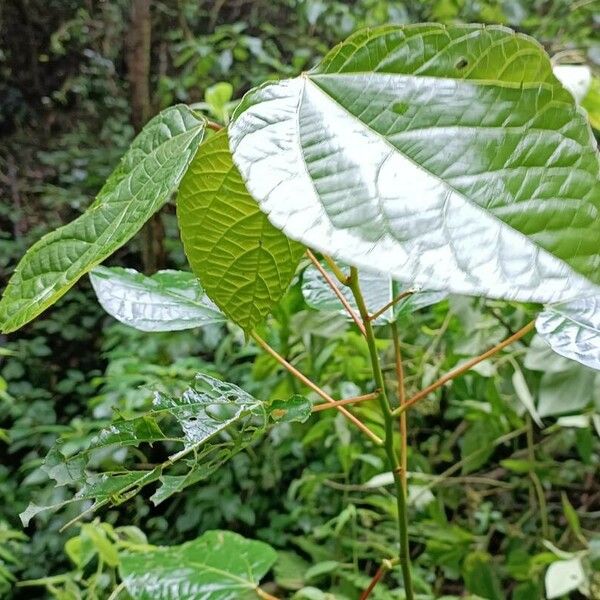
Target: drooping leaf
[[166, 301], [447, 157], [211, 421], [572, 329], [377, 289], [219, 565], [567, 391], [144, 180], [244, 263]]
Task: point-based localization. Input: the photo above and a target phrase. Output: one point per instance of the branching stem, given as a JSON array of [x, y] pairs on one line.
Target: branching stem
[[336, 290], [336, 403], [391, 303], [401, 401], [404, 556], [314, 387], [464, 367]]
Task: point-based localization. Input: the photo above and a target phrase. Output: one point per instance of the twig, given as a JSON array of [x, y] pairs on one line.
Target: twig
[[336, 403], [401, 400], [465, 367], [336, 291], [315, 388], [391, 303], [386, 565], [339, 274]]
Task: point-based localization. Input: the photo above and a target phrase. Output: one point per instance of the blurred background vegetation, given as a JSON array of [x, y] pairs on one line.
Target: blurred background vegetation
[[494, 498]]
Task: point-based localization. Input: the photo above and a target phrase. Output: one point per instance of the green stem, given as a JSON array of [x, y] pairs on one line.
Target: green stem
[[404, 556]]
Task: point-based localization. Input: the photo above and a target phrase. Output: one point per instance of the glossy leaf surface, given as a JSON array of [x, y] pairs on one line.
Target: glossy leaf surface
[[144, 180], [219, 565], [573, 329], [166, 301], [447, 157], [244, 263]]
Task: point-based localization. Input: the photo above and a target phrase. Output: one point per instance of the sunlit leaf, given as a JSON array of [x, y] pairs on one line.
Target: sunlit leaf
[[219, 565], [244, 263], [446, 157], [166, 301], [146, 177], [572, 329]]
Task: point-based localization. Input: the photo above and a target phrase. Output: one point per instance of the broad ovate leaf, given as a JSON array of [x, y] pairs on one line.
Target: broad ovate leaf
[[244, 263], [572, 329], [219, 565], [166, 301], [450, 158], [144, 180]]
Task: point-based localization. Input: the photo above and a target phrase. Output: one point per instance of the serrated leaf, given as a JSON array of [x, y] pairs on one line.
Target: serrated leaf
[[166, 301], [377, 289], [219, 565], [572, 329], [244, 263], [445, 157], [144, 180]]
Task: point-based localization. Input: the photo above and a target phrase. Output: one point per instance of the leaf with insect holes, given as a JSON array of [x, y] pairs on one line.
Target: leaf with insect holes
[[219, 565], [144, 180], [166, 301], [211, 422], [244, 263], [448, 157]]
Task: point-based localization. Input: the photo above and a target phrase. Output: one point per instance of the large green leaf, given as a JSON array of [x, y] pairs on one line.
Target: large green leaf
[[166, 301], [573, 329], [446, 157], [244, 263], [210, 422], [219, 565], [146, 177]]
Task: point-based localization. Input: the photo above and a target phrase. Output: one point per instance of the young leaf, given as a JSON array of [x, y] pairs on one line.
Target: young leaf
[[296, 408], [378, 290], [447, 157], [572, 329], [244, 263], [219, 565], [166, 301], [147, 175]]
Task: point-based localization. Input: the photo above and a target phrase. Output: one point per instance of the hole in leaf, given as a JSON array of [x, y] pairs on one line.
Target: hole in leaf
[[221, 412]]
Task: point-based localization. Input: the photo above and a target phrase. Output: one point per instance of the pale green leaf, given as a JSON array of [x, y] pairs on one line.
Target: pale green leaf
[[166, 301], [377, 289], [572, 329], [219, 565], [244, 263], [445, 157], [564, 576], [146, 177]]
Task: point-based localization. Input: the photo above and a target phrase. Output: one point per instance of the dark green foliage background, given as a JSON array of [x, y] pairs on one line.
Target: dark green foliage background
[[64, 122]]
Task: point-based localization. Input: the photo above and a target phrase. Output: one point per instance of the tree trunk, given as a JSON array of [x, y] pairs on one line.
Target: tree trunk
[[138, 65]]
